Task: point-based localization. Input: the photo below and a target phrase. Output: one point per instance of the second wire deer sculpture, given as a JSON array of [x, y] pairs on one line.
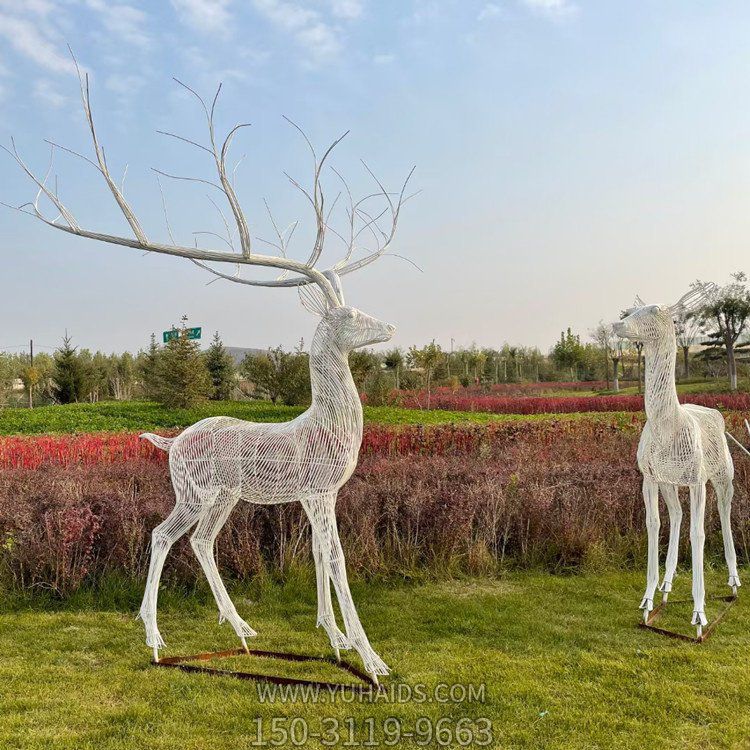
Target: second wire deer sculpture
[[681, 445]]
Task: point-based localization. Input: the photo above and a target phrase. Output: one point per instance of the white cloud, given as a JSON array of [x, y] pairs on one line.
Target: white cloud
[[286, 15], [383, 59], [490, 10], [27, 38], [126, 85], [204, 15], [319, 39], [551, 7], [425, 11], [347, 9], [122, 20], [46, 92]]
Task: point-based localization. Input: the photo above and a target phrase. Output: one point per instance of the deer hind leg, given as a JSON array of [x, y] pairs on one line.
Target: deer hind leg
[[202, 542], [724, 494], [651, 501], [321, 511], [672, 499], [326, 615], [697, 539], [178, 522]]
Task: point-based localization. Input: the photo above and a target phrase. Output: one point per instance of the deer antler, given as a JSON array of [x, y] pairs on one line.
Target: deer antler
[[697, 294], [303, 272]]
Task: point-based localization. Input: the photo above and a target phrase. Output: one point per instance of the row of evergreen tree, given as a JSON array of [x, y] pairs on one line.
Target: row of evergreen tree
[[176, 374]]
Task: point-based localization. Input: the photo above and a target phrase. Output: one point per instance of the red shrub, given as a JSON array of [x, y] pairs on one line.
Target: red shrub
[[31, 452], [471, 497], [465, 400]]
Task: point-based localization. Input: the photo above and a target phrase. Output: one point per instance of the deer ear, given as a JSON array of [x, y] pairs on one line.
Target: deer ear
[[313, 299], [333, 277]]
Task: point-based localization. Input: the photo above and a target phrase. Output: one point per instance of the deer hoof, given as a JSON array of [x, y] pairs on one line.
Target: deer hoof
[[646, 605]]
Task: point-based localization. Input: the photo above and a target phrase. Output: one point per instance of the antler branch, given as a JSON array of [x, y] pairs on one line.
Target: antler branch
[[302, 272]]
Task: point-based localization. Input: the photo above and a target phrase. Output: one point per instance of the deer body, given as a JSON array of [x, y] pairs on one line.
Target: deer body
[[221, 460], [279, 462], [681, 445]]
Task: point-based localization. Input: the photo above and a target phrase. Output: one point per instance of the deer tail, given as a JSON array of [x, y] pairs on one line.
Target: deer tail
[[163, 443]]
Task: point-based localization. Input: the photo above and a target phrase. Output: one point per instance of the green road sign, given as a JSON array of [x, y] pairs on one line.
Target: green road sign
[[192, 333]]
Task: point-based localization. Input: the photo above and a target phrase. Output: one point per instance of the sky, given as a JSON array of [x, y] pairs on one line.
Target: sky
[[569, 155]]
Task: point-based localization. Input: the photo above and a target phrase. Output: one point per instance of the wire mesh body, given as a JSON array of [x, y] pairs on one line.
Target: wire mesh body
[[681, 445], [219, 461]]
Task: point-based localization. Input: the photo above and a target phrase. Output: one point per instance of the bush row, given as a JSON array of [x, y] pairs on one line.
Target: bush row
[[445, 398], [523, 494]]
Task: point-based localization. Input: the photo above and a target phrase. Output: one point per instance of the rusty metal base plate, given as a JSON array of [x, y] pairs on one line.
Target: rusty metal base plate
[[181, 663], [707, 631]]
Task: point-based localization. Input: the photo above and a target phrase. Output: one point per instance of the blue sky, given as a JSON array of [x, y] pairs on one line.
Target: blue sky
[[569, 155]]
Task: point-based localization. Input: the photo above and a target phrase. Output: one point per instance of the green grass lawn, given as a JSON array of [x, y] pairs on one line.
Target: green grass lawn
[[561, 657], [135, 416]]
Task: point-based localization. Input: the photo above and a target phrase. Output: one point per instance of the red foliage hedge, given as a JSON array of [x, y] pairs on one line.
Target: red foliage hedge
[[466, 400], [558, 494]]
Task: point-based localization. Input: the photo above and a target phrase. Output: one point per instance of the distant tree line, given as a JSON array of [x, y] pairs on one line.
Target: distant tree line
[[712, 343], [176, 374]]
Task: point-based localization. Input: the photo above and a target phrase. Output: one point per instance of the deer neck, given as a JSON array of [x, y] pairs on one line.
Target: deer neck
[[335, 400], [662, 405]]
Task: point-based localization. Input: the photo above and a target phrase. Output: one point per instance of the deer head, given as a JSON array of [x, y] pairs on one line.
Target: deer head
[[650, 323], [348, 327], [364, 239]]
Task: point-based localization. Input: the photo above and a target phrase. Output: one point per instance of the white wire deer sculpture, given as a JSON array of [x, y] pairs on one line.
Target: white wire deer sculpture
[[681, 445], [219, 461]]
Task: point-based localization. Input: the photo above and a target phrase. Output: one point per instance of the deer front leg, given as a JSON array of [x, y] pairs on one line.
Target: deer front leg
[[651, 501], [177, 523], [672, 499], [321, 511], [326, 615], [202, 542], [697, 539]]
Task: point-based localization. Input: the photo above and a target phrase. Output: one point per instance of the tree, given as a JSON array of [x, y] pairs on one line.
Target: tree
[[476, 360], [427, 359], [724, 318], [686, 331], [69, 376], [568, 352], [182, 379], [279, 375], [362, 362], [147, 366], [221, 369], [394, 361], [8, 373], [616, 354], [121, 375], [603, 336]]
